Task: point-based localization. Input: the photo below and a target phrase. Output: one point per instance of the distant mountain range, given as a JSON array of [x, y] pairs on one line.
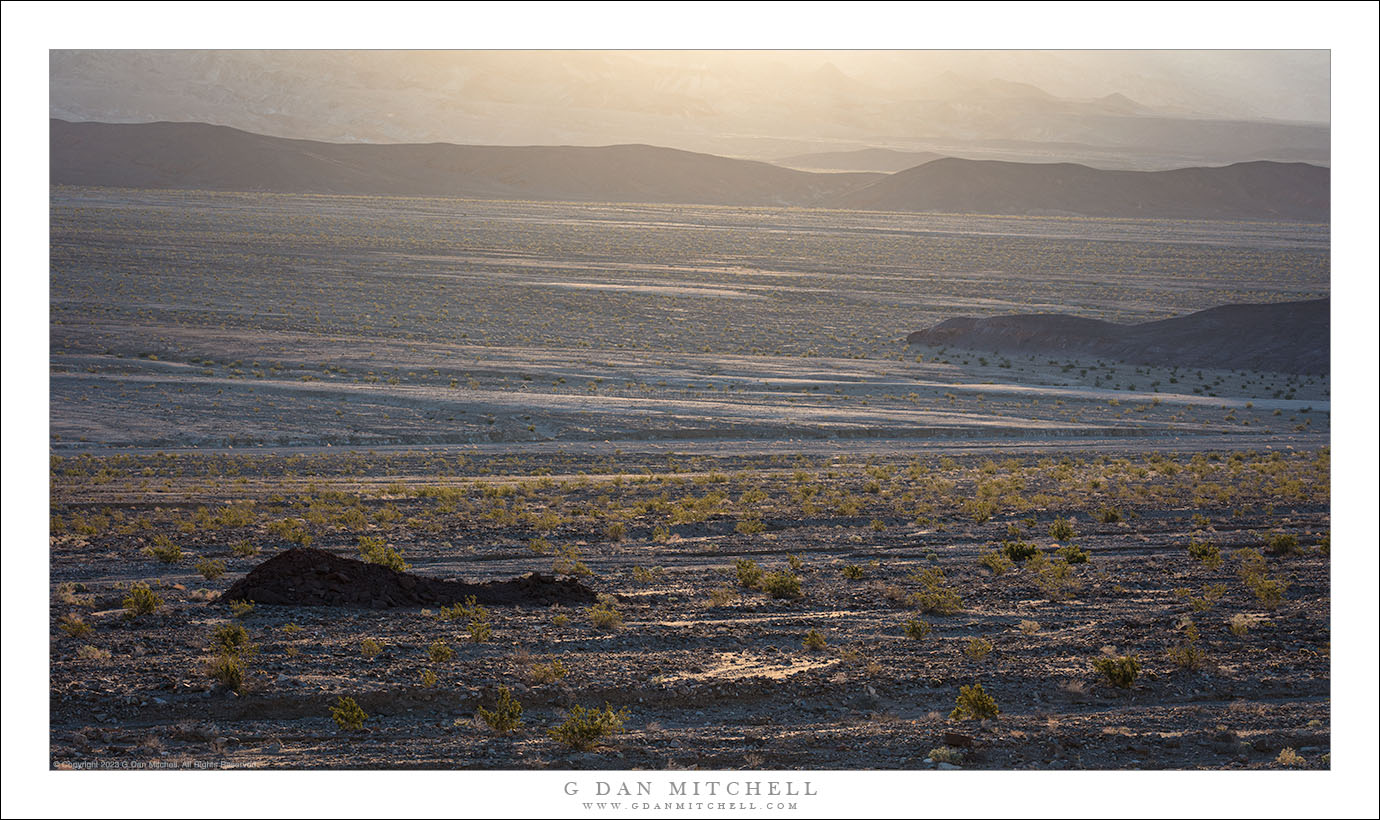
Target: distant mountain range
[[881, 160], [209, 157], [1283, 337]]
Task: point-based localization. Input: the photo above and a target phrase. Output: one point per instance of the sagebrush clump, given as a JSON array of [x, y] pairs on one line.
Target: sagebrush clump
[[585, 729], [506, 714], [974, 704], [1120, 672]]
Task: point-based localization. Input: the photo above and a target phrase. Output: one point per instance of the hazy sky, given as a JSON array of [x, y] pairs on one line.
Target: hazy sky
[[754, 103]]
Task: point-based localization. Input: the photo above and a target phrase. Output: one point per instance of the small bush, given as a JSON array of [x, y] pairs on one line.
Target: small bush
[[1187, 654], [370, 648], [1073, 554], [586, 728], [347, 714], [853, 572], [934, 596], [376, 551], [748, 573], [605, 615], [1281, 543], [722, 595], [230, 639], [750, 526], [996, 561], [1290, 758], [506, 715], [1205, 553], [1061, 529], [165, 550], [782, 585], [440, 651], [569, 562], [210, 568], [615, 531], [916, 629], [794, 562], [87, 652], [814, 641], [1120, 672], [1239, 625], [241, 609], [548, 672], [429, 678], [973, 704], [977, 648], [73, 625], [228, 670], [1019, 551], [946, 754], [141, 600], [1109, 515], [1030, 628], [244, 549]]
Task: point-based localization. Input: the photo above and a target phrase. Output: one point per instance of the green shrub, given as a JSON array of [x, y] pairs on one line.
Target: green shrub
[[370, 648], [440, 651], [1205, 553], [1073, 555], [244, 549], [977, 648], [241, 609], [973, 704], [853, 572], [376, 551], [1019, 551], [916, 629], [604, 614], [506, 715], [749, 574], [1061, 529], [1109, 515], [1281, 543], [141, 600], [1120, 672], [347, 714], [210, 568], [165, 550], [934, 596], [814, 641], [782, 585], [230, 639], [73, 625], [568, 562], [750, 526], [228, 669], [586, 728], [548, 672], [996, 561], [1187, 654]]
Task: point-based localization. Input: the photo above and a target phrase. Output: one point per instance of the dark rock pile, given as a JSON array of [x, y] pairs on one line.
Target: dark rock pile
[[313, 577]]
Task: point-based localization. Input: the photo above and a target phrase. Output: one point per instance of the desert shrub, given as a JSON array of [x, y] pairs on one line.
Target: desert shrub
[[227, 669], [977, 648], [722, 595], [934, 596], [853, 572], [1187, 654], [548, 672], [1254, 574], [1282, 543], [568, 562], [615, 531], [916, 629], [1061, 529], [973, 703], [1030, 628], [1109, 515], [1073, 555], [243, 549], [996, 561], [1120, 672], [141, 600], [479, 628], [506, 714], [782, 585], [604, 614], [370, 648], [375, 551], [1205, 553], [750, 526], [347, 714], [539, 545], [241, 609], [1239, 625], [1054, 577], [87, 652], [440, 651], [1019, 551], [946, 754], [429, 678], [586, 728], [210, 568], [814, 641], [73, 625], [979, 509], [165, 550], [794, 562], [230, 639], [642, 575], [748, 573], [1290, 758], [661, 533], [561, 620]]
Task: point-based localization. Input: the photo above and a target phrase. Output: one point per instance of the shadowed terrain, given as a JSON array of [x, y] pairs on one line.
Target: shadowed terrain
[[1285, 337]]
